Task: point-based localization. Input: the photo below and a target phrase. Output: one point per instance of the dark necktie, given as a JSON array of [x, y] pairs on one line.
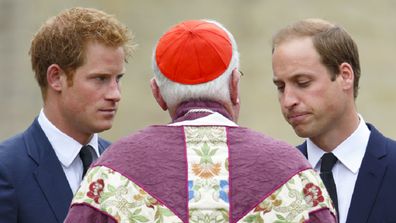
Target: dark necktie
[[328, 161], [87, 157]]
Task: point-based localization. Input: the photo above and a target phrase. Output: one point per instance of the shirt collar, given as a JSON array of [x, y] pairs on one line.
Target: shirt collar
[[65, 147], [350, 152]]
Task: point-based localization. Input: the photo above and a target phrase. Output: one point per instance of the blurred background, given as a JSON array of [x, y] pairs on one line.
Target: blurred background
[[253, 22]]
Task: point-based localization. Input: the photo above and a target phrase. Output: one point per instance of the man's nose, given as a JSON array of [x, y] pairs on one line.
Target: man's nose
[[114, 91], [289, 98]]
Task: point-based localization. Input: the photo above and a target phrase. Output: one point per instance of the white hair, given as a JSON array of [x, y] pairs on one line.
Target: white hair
[[218, 89]]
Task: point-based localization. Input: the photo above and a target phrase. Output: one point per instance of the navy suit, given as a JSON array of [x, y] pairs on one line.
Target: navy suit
[[374, 196], [33, 185]]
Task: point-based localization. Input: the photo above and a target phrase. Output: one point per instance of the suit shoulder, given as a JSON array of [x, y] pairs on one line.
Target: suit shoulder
[[391, 148], [377, 139], [13, 156], [10, 146], [391, 142], [103, 142]]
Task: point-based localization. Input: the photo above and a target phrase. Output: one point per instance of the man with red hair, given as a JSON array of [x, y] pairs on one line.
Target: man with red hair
[[78, 57]]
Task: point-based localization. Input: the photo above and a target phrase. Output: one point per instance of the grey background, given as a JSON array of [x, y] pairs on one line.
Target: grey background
[[371, 23]]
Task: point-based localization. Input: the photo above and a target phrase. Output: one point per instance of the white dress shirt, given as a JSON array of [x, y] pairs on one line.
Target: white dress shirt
[[350, 155], [67, 150]]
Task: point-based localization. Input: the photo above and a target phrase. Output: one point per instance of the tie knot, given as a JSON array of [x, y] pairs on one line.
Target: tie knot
[[328, 161]]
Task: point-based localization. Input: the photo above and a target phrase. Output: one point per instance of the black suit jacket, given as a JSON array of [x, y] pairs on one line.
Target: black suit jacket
[[33, 185], [374, 196]]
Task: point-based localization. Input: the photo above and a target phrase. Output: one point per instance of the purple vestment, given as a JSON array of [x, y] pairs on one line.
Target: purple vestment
[[155, 160]]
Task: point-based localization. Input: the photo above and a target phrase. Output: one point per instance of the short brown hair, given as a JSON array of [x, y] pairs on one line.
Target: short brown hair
[[333, 43], [62, 40]]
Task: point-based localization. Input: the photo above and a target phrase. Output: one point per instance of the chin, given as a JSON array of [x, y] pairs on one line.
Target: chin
[[103, 127], [301, 132]]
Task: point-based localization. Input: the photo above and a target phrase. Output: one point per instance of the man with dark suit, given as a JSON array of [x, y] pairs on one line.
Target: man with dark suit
[[78, 58], [316, 70]]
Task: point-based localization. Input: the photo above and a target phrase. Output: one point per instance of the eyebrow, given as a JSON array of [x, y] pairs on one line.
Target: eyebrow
[[275, 81], [294, 77]]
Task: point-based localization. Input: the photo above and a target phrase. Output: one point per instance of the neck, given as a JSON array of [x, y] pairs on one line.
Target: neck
[[55, 117], [340, 131]]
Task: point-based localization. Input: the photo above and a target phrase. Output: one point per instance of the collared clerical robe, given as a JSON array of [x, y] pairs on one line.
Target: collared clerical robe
[[201, 168]]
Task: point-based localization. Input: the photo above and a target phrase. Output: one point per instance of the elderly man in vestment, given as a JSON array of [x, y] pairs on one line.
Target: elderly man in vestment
[[202, 167]]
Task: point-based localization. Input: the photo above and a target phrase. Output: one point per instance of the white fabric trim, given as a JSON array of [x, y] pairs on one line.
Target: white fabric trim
[[213, 119]]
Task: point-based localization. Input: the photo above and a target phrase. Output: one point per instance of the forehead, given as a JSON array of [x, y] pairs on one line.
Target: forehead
[[99, 52], [102, 59], [296, 56], [295, 48]]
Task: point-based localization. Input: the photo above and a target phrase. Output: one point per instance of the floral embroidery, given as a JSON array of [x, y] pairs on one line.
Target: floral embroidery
[[114, 194], [190, 190], [267, 204], [223, 193], [207, 155], [292, 202], [226, 164], [152, 202], [206, 168], [95, 189], [140, 196], [202, 216], [313, 194]]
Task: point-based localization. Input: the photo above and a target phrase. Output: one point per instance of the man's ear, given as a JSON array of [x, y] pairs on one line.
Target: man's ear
[[234, 86], [157, 94], [54, 77], [347, 75]]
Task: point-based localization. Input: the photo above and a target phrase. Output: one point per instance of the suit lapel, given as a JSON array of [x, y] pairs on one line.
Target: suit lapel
[[49, 173], [369, 180], [303, 149], [103, 144]]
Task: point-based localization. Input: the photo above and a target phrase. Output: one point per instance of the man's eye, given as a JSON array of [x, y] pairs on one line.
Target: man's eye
[[303, 83], [119, 77], [280, 87], [101, 78]]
